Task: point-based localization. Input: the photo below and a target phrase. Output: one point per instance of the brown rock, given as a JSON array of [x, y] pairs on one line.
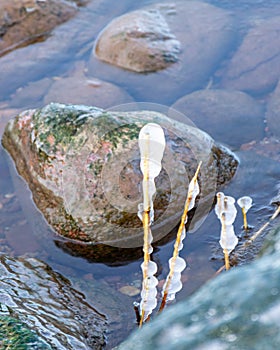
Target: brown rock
[[231, 117], [25, 21], [255, 67]]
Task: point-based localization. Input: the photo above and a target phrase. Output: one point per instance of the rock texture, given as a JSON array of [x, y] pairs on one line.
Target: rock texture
[[82, 165], [255, 67], [229, 116], [43, 301], [25, 21], [237, 310]]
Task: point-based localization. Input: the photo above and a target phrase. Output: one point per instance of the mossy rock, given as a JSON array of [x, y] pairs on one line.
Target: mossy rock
[[82, 166]]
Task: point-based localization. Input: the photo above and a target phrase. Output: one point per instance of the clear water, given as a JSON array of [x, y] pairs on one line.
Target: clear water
[[23, 230]]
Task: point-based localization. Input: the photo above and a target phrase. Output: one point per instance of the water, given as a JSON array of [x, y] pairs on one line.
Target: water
[[26, 75]]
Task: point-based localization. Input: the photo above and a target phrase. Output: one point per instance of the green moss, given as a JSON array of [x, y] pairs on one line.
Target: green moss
[[58, 124], [14, 335], [123, 134]]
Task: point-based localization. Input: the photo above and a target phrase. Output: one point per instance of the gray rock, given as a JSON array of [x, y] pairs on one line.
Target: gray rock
[[82, 166], [229, 116], [273, 112], [255, 67], [197, 26], [237, 310], [44, 301]]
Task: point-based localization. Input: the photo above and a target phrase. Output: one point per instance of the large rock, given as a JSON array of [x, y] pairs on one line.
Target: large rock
[[237, 310], [25, 21], [229, 116], [255, 67], [42, 301], [82, 165], [168, 40], [273, 112]]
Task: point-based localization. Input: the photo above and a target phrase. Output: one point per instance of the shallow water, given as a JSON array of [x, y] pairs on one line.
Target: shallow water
[[23, 230]]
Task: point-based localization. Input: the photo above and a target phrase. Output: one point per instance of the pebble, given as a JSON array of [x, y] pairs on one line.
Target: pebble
[[129, 290]]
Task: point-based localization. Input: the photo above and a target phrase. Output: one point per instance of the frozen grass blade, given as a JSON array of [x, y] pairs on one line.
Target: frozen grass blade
[[177, 264]]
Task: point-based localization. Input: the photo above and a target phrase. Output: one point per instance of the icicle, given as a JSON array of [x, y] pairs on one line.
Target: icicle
[[219, 207], [226, 212], [228, 239], [177, 264], [151, 143], [245, 204]]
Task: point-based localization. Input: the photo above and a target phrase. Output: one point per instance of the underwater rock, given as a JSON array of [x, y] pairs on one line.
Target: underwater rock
[[23, 22], [188, 39], [237, 310], [229, 116], [79, 89], [273, 112], [42, 301], [255, 67], [140, 41], [82, 166]]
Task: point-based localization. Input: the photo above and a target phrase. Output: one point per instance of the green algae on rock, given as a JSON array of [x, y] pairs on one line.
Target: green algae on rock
[[82, 166], [35, 298], [14, 335]]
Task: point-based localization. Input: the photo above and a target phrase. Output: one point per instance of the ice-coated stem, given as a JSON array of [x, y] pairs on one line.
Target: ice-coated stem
[[193, 191], [151, 143], [224, 237]]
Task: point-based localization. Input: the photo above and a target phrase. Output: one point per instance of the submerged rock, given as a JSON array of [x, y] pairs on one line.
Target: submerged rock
[[40, 306], [255, 67], [237, 310], [82, 166], [229, 116], [79, 89], [23, 22]]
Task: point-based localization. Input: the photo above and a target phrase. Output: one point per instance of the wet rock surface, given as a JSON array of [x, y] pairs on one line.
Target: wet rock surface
[[25, 21], [44, 302], [15, 335], [229, 116], [255, 67], [83, 170], [238, 310]]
